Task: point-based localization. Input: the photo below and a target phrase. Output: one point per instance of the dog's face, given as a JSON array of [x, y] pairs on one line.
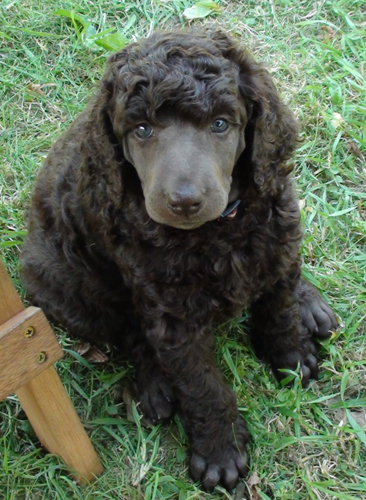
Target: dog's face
[[178, 112], [181, 108], [185, 170]]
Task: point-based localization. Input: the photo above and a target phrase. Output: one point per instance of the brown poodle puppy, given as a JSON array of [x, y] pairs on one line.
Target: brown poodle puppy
[[167, 208]]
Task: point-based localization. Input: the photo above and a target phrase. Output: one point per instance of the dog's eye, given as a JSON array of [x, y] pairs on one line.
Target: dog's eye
[[144, 130], [219, 125]]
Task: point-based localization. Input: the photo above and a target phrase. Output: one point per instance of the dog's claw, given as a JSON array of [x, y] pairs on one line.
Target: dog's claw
[[197, 466], [228, 469]]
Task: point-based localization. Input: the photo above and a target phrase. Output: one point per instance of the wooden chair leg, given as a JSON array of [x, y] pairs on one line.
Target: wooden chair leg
[[28, 349], [57, 425]]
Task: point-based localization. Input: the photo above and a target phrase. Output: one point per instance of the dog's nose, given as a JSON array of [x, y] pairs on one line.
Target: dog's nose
[[186, 201]]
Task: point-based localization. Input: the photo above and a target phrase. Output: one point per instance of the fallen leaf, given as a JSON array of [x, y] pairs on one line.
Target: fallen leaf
[[82, 347], [360, 209], [95, 355], [128, 399], [201, 9], [252, 482], [302, 204], [240, 492], [113, 42], [180, 455], [90, 353], [354, 149], [359, 417], [35, 88], [327, 33], [337, 120]]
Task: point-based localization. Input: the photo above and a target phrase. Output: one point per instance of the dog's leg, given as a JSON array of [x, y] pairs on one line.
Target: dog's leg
[[286, 321], [207, 407]]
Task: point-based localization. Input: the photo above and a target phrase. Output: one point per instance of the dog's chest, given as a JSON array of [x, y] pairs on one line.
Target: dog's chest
[[210, 279]]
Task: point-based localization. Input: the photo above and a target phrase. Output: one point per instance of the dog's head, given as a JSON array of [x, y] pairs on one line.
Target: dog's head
[[188, 108]]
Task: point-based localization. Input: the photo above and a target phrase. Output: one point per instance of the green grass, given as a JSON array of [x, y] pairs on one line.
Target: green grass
[[307, 444]]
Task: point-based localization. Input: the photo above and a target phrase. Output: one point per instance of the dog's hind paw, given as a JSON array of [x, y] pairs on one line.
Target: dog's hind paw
[[157, 400], [305, 356], [316, 314], [318, 317]]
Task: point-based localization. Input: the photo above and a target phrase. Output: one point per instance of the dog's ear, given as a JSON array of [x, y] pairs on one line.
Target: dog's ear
[[271, 133], [271, 130], [111, 88], [102, 152]]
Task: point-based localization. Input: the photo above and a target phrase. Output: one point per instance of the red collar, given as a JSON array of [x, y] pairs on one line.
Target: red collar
[[231, 210]]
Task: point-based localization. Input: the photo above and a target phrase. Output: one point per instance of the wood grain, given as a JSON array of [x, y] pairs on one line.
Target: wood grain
[[10, 303], [21, 357], [57, 425]]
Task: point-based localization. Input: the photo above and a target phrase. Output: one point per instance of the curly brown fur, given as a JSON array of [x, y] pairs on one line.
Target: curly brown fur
[[126, 243]]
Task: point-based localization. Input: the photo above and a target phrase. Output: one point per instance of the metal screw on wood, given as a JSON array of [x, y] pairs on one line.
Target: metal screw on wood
[[41, 357], [29, 332]]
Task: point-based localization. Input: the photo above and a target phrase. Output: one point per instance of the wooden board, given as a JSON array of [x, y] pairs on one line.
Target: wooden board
[[27, 347], [10, 303]]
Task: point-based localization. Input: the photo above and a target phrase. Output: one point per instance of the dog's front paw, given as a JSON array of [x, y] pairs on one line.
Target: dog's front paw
[[225, 466], [306, 357]]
